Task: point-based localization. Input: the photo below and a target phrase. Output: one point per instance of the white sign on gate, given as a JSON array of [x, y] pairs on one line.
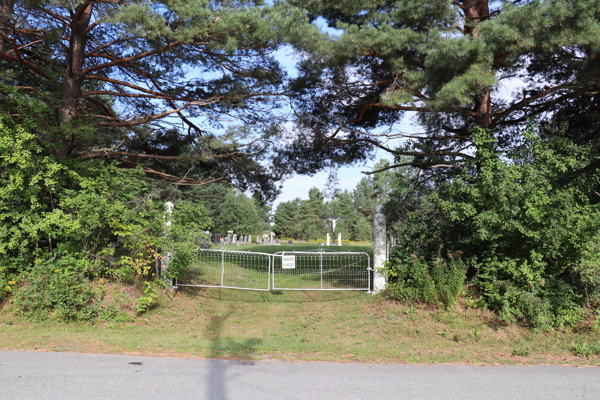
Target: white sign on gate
[[288, 262]]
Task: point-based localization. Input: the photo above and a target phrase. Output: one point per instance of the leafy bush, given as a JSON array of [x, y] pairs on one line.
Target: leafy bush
[[57, 289], [66, 222], [439, 281], [8, 281], [582, 348], [527, 222], [148, 300]]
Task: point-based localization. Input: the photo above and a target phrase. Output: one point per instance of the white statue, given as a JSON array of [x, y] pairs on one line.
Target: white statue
[[333, 221]]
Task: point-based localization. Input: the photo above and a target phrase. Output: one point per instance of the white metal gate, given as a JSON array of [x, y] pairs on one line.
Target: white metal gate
[[228, 269], [289, 270], [303, 270]]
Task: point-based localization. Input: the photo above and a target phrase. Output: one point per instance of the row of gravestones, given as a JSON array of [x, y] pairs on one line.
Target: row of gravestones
[[216, 239]]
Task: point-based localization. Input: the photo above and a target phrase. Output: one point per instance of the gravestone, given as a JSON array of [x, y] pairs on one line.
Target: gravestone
[[265, 239], [235, 238], [289, 242], [257, 239], [250, 239], [272, 237], [340, 239], [328, 239], [277, 242]]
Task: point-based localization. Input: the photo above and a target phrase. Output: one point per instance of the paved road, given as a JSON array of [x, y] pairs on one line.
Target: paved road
[[36, 375]]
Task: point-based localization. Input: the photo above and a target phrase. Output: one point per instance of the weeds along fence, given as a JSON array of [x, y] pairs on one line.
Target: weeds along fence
[[294, 270]]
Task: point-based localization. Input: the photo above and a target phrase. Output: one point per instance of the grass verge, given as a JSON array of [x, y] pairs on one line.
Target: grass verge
[[289, 325]]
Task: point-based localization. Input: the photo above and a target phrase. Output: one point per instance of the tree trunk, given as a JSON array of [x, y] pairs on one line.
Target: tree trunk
[[6, 10], [477, 11], [70, 98]]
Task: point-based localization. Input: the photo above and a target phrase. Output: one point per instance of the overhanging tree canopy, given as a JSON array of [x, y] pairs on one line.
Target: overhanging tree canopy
[[444, 60], [155, 82]]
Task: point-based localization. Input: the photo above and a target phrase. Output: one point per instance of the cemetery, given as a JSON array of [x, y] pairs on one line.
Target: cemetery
[[431, 160]]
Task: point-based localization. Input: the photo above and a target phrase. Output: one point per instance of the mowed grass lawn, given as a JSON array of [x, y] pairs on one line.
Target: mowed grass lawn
[[304, 325]]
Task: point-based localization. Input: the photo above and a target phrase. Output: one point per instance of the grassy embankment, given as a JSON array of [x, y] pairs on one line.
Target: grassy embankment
[[331, 326]]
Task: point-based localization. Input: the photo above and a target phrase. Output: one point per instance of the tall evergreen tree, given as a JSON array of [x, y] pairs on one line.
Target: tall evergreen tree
[[445, 61], [239, 213], [312, 215], [151, 82], [288, 222]]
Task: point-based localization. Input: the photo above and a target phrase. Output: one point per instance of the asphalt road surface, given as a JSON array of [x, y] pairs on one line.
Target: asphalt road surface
[[37, 375]]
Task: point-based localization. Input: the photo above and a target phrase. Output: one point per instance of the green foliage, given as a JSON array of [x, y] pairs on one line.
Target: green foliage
[[522, 352], [148, 300], [583, 348], [56, 289], [63, 223], [445, 61], [239, 213], [438, 282], [527, 229], [168, 55], [588, 268], [8, 281], [189, 223]]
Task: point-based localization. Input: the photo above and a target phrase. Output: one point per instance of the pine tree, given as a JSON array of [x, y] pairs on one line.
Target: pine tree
[[288, 221], [312, 215], [150, 82], [443, 60]]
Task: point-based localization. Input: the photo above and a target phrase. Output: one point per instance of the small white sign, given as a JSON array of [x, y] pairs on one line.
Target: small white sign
[[288, 262]]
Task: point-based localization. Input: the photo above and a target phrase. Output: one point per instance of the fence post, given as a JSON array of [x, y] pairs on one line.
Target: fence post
[[379, 249], [169, 253], [321, 267]]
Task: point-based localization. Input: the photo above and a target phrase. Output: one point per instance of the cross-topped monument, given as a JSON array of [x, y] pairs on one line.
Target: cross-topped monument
[[333, 221]]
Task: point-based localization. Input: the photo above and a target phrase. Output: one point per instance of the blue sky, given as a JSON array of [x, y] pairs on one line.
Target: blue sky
[[298, 185]]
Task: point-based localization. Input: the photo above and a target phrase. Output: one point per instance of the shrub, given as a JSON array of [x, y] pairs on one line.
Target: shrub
[[64, 222], [439, 281], [57, 289], [528, 222]]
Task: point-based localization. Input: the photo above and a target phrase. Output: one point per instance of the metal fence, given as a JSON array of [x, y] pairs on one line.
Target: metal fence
[[228, 269], [295, 270], [302, 270]]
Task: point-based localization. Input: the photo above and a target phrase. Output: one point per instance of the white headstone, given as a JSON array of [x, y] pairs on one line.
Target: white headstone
[[328, 239], [340, 239]]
